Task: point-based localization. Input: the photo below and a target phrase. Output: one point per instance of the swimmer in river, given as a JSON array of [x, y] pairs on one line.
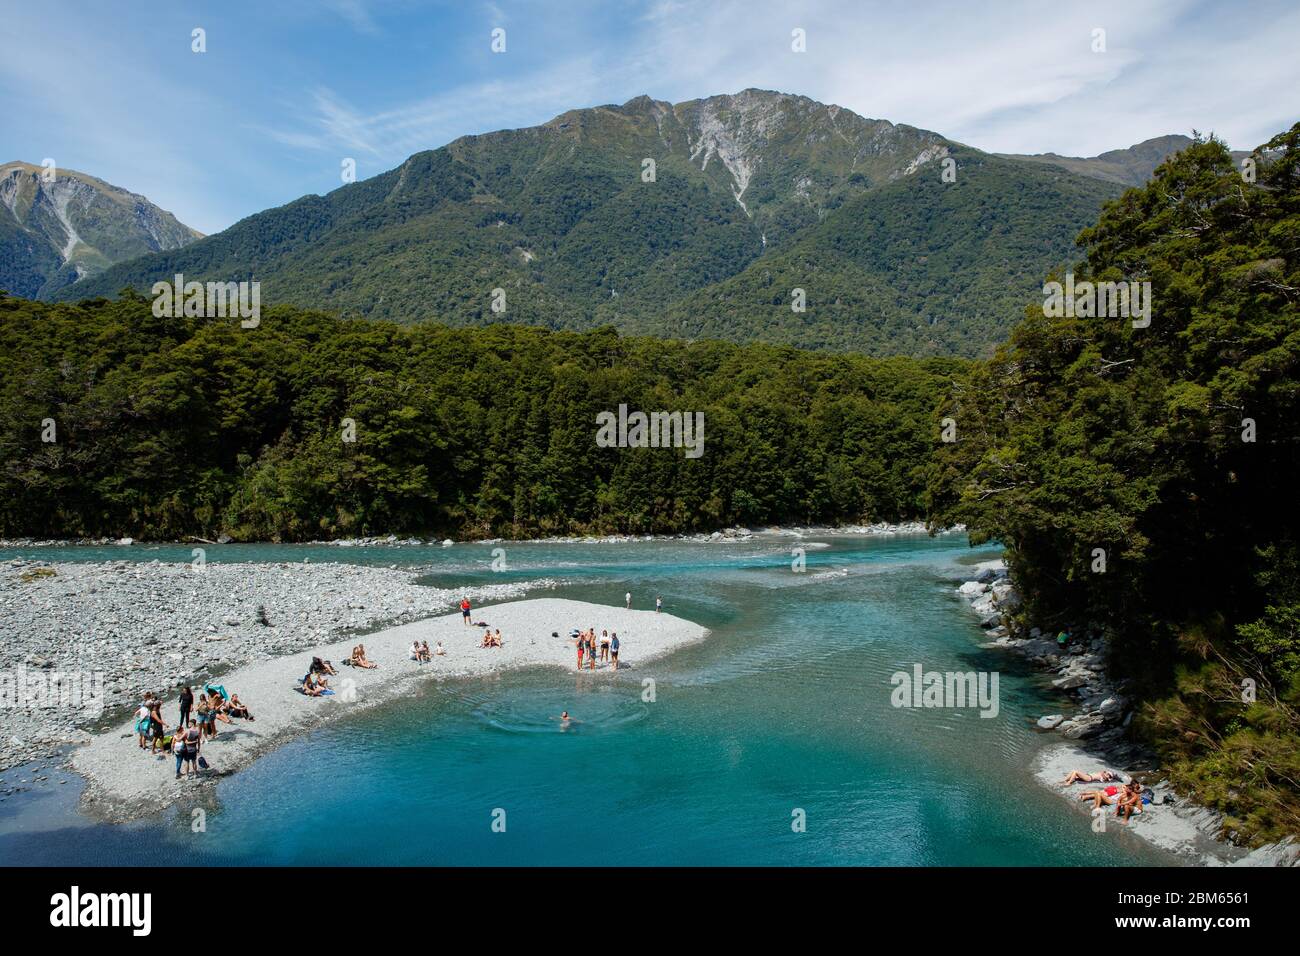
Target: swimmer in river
[[565, 720]]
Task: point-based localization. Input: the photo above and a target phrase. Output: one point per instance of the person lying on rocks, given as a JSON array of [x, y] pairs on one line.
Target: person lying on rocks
[[1097, 776], [1105, 797]]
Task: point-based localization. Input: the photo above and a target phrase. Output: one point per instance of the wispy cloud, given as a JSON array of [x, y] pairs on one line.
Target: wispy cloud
[[287, 90], [356, 13]]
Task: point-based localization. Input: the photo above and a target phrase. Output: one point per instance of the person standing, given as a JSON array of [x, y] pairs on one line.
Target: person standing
[[464, 611], [613, 649], [627, 600], [193, 744], [659, 604], [187, 704]]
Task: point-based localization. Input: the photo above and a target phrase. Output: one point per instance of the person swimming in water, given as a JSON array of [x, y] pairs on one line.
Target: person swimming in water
[[565, 720]]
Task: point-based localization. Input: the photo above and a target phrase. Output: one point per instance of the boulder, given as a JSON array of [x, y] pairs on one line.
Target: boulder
[[1051, 722], [1081, 727], [1069, 682]]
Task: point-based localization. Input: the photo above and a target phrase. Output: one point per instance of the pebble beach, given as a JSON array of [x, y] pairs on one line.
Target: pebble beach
[[150, 626]]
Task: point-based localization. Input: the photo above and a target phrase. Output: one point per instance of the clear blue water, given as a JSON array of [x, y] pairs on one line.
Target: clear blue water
[[785, 707]]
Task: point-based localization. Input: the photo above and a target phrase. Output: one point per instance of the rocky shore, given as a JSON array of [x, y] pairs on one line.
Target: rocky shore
[[881, 528], [1095, 730], [83, 641], [125, 783]]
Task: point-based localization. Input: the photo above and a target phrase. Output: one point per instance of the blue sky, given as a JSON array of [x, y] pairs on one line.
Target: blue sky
[[289, 88]]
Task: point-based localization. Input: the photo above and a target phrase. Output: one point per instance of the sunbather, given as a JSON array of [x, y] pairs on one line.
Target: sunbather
[[1105, 797], [1099, 776]]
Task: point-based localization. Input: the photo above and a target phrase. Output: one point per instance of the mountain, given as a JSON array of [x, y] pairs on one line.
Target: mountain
[[1127, 167], [753, 195], [54, 233]]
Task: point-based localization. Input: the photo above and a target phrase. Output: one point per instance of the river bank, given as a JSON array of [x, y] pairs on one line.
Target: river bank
[[82, 641], [125, 782], [883, 528], [1096, 736]]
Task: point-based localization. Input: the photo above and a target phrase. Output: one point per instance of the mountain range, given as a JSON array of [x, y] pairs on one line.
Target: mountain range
[[712, 218], [59, 225]]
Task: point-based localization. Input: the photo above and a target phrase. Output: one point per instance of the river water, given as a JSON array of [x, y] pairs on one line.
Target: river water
[[774, 742]]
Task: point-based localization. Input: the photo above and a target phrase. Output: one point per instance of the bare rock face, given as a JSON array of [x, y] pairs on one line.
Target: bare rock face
[[65, 225]]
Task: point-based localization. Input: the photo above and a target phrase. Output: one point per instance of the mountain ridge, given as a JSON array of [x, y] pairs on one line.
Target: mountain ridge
[[656, 217], [56, 231]]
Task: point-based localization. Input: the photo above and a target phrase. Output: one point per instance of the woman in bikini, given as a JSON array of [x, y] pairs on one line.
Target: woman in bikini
[[604, 647], [1078, 776]]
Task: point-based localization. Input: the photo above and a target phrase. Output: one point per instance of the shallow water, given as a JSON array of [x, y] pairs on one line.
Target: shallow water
[[783, 713]]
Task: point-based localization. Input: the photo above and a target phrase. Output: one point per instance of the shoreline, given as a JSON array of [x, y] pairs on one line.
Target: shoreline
[[122, 627], [883, 528], [124, 783], [1096, 736]]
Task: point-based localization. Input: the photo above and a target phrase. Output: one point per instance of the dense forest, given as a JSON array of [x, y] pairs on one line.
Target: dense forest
[[1143, 479], [164, 428]]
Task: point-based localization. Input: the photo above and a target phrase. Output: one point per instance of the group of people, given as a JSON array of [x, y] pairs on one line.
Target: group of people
[[199, 715], [491, 638], [421, 654], [316, 681], [1126, 798], [589, 646]]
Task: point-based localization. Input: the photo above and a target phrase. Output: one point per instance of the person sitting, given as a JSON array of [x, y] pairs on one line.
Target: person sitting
[[425, 653], [220, 708], [496, 638], [1099, 776], [487, 639], [310, 686], [415, 651], [439, 650], [236, 708], [1130, 801], [359, 658]]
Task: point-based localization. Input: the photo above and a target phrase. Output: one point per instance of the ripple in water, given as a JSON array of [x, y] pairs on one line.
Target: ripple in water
[[538, 712]]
